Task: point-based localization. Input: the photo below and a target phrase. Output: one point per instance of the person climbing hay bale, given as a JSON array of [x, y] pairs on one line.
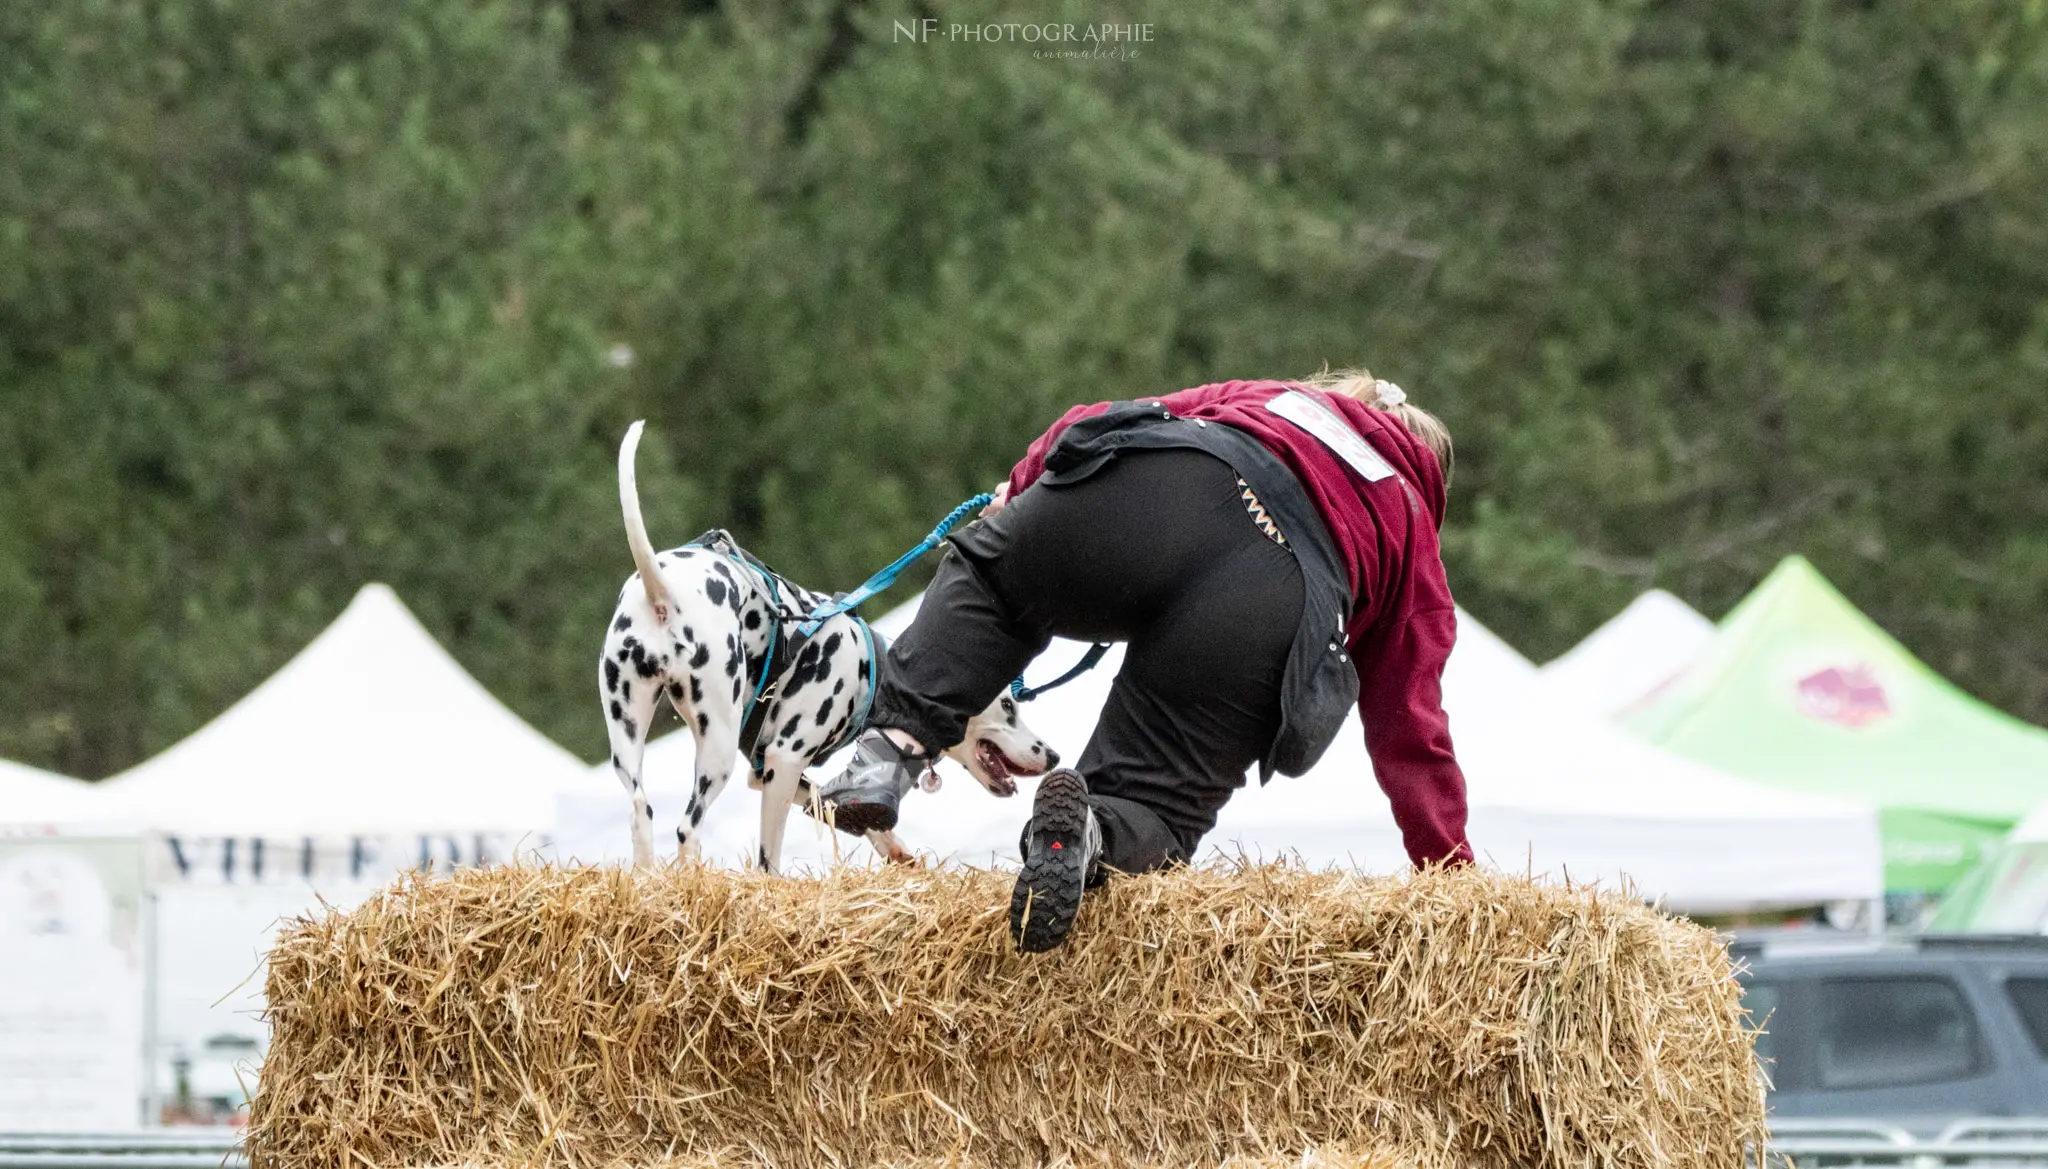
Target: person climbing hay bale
[[1266, 550], [582, 1017]]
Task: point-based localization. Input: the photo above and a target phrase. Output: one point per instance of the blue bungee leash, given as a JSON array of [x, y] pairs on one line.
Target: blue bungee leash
[[887, 576], [883, 579]]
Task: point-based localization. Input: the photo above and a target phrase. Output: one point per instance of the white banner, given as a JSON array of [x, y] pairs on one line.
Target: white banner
[[177, 861], [71, 984]]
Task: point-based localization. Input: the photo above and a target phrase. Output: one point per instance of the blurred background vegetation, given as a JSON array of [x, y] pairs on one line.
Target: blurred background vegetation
[[299, 294]]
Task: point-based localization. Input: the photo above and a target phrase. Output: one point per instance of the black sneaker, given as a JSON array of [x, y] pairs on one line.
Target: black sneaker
[[1061, 844], [863, 798]]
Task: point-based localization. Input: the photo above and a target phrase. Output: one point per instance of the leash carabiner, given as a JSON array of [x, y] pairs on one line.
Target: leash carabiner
[[1089, 660]]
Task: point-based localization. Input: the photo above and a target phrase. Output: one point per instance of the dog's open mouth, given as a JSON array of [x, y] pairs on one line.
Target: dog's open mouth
[[996, 767]]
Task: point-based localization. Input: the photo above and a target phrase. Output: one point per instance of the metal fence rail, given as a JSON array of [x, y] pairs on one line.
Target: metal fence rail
[[158, 1148], [1807, 1144], [1858, 1144]]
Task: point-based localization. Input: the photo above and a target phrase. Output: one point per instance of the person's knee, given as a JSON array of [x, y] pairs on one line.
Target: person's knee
[[1135, 837]]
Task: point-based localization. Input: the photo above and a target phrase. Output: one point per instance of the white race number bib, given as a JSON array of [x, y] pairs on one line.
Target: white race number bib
[[1332, 431]]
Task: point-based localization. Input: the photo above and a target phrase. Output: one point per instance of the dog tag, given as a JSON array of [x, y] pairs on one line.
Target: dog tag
[[929, 781], [1332, 431]]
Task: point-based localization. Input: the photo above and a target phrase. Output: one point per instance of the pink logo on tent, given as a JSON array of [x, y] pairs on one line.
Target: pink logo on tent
[[1853, 697]]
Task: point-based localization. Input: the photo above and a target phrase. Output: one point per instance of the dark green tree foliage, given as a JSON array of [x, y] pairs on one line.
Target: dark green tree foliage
[[297, 295]]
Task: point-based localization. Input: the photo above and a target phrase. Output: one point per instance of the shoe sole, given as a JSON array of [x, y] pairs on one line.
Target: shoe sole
[[1048, 891], [858, 818]]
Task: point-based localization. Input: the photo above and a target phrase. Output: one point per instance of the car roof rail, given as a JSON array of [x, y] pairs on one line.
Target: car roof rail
[[1760, 945], [2026, 942], [1750, 948]]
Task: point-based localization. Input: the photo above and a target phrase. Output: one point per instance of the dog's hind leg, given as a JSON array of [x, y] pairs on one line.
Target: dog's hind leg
[[718, 745], [629, 712]]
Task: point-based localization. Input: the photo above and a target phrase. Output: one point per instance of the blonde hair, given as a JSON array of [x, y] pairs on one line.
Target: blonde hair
[[1385, 396]]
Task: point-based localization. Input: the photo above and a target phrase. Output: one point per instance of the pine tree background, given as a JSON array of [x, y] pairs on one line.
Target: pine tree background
[[300, 294]]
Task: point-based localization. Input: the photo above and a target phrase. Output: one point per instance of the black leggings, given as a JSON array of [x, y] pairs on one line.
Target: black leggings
[[1157, 549]]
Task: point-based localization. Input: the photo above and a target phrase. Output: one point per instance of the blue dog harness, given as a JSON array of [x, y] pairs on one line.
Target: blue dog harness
[[782, 650]]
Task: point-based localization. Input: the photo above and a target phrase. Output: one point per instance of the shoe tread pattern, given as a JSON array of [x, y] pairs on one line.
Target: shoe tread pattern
[[1048, 892]]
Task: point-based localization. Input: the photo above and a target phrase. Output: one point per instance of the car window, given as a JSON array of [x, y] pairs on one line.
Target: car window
[[1761, 999], [2030, 998], [1893, 1032]]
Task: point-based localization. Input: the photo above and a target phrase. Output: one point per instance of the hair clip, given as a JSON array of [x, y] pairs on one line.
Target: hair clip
[[1389, 393]]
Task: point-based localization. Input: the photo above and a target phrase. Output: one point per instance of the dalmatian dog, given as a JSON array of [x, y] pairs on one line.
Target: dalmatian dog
[[703, 627]]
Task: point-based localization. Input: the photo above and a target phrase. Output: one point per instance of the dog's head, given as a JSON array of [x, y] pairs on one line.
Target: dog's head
[[999, 747]]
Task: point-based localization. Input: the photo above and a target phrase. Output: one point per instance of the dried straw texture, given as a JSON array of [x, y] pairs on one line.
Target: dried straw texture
[[1262, 1016], [1346, 1157], [1332, 1158]]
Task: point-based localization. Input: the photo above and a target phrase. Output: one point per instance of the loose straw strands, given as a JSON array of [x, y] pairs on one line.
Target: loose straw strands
[[1261, 1016]]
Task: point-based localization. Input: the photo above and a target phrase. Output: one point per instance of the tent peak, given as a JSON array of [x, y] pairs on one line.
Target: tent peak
[[372, 727], [377, 591], [1662, 602], [1631, 654], [1796, 567]]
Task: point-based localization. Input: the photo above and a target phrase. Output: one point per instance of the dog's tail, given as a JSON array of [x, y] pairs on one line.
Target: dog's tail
[[636, 528]]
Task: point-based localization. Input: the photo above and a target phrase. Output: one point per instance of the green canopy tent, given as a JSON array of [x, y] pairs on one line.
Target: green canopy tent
[[1799, 690]]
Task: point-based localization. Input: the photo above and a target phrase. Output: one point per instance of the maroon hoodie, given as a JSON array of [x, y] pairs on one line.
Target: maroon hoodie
[[1402, 621]]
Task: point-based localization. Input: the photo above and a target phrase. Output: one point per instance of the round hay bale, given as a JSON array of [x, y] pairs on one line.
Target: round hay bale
[[1256, 1016]]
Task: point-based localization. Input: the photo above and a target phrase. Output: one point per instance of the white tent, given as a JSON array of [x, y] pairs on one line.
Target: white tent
[[1636, 651], [372, 729], [367, 748], [1551, 788], [30, 796], [1554, 790]]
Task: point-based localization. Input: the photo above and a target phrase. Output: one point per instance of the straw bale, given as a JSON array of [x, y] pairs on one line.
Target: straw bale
[[1334, 1157], [1252, 1015]]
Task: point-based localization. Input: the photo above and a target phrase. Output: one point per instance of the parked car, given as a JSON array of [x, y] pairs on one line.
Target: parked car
[[1918, 1032], [211, 1085]]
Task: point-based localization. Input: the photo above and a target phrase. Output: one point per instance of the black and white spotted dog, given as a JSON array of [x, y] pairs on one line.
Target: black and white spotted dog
[[699, 633]]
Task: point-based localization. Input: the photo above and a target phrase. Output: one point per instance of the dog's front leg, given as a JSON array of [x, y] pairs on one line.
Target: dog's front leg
[[889, 847], [782, 778]]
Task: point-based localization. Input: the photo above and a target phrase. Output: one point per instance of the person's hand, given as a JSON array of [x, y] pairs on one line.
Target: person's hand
[[999, 502]]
